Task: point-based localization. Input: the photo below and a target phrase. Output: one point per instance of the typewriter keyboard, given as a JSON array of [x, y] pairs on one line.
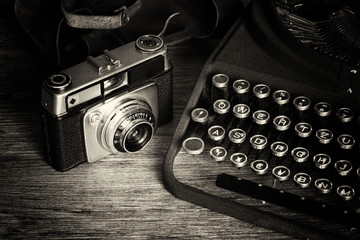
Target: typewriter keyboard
[[283, 148]]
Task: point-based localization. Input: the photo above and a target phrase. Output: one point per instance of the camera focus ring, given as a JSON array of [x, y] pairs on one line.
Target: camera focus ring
[[131, 127]]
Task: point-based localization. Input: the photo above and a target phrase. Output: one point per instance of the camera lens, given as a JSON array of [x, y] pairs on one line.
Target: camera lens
[[138, 137], [129, 128]]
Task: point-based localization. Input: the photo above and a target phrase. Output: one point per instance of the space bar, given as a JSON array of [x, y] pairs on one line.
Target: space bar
[[286, 199]]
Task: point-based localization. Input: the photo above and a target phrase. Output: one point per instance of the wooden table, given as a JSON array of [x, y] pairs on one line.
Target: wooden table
[[117, 197]]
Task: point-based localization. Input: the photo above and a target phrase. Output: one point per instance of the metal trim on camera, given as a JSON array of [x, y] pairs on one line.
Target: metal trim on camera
[[95, 72]]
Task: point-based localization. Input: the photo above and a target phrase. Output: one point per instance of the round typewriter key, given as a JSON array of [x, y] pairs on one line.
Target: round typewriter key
[[303, 180], [282, 173], [220, 87], [218, 154], [345, 115], [346, 141], [238, 159], [241, 86], [323, 185], [261, 117], [221, 106], [324, 136], [279, 149], [322, 160], [199, 115], [261, 91], [193, 145], [237, 135], [281, 97], [258, 142], [260, 167], [323, 109], [281, 123], [241, 111], [300, 154], [303, 129], [302, 103], [358, 172], [343, 167], [346, 192], [220, 80], [216, 133]]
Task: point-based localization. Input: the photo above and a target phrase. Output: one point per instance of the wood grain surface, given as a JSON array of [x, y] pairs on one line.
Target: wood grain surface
[[118, 197]]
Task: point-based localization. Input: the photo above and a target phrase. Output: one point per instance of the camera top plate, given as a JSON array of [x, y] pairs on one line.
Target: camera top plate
[[87, 79]]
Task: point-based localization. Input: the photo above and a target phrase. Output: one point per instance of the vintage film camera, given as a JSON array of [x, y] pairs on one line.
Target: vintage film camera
[[109, 104]]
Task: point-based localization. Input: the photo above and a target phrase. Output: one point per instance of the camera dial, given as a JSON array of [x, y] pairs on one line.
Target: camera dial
[[129, 128], [58, 81], [149, 43]]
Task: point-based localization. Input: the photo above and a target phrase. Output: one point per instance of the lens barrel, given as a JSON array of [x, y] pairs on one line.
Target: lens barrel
[[129, 128]]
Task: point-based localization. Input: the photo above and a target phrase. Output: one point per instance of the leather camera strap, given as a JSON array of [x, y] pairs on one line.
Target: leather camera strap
[[123, 16]]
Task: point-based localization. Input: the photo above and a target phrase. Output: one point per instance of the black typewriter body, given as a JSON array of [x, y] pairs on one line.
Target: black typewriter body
[[271, 134]]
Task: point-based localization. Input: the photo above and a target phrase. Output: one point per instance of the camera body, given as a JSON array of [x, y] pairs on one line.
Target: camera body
[[109, 104]]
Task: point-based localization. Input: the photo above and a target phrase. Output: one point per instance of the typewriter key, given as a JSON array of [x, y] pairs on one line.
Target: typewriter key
[[300, 154], [260, 167], [346, 141], [279, 149], [199, 115], [303, 129], [281, 173], [261, 91], [281, 97], [237, 135], [218, 154], [193, 145], [281, 123], [216, 133], [345, 192], [345, 115], [221, 106], [241, 111], [303, 180], [322, 160], [323, 109], [261, 117], [302, 103], [220, 89], [258, 142], [323, 185], [324, 136], [238, 159], [343, 167], [220, 80], [241, 86]]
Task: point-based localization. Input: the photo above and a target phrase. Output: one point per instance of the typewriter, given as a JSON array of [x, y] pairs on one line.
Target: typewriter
[[270, 134]]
